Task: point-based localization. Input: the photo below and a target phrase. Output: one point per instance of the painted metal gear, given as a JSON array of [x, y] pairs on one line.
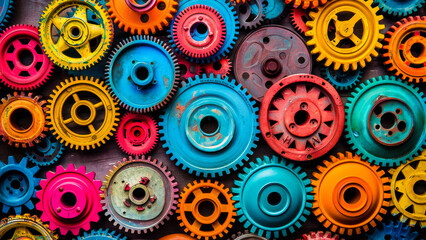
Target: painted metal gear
[[221, 67], [22, 119], [142, 17], [139, 194], [405, 53], [79, 41], [46, 152], [142, 73], [350, 194], [23, 65], [18, 185], [177, 236], [342, 80], [187, 68], [195, 199], [137, 134], [306, 3], [386, 121], [82, 114], [354, 37], [299, 17], [248, 20], [302, 117], [203, 129], [23, 227], [101, 234], [400, 8], [8, 6], [273, 10], [321, 236], [273, 197], [246, 236], [393, 231], [69, 199]]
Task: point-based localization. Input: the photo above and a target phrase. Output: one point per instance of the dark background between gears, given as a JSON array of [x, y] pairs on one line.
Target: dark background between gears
[[102, 159]]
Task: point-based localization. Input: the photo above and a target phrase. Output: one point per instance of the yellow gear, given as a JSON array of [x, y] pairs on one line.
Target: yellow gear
[[346, 33], [68, 102], [306, 3], [75, 35], [21, 224]]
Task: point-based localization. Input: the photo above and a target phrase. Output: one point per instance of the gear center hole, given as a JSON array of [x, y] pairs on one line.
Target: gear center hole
[[388, 120], [417, 50], [209, 125], [274, 198], [26, 57], [352, 195], [21, 119], [199, 31], [420, 187], [301, 117], [139, 194], [142, 73], [83, 112], [15, 184], [68, 199], [75, 32], [206, 208]]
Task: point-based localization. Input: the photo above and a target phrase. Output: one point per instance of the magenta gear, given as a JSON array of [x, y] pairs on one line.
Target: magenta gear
[[321, 236], [23, 64], [137, 134], [221, 67], [69, 199], [187, 68]]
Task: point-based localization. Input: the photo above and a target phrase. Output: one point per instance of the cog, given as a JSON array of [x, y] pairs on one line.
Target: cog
[[8, 7], [306, 3], [248, 20], [273, 10], [346, 45], [221, 67], [24, 227], [385, 121], [341, 80], [393, 231], [202, 127], [187, 68], [272, 197], [101, 234], [217, 198], [246, 236], [153, 72], [139, 194], [68, 105], [321, 236], [46, 152], [177, 237], [79, 41], [400, 8], [299, 17]]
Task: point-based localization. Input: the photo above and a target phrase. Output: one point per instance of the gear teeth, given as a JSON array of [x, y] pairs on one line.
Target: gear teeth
[[26, 221]]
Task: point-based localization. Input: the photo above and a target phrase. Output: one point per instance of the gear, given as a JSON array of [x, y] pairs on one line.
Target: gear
[[400, 8], [139, 194], [79, 41], [142, 17], [18, 185], [22, 119], [385, 121], [404, 49], [350, 42], [302, 117], [246, 236], [142, 73], [75, 108], [203, 129], [269, 54], [137, 134], [177, 237], [320, 236], [299, 17], [101, 234], [273, 9], [69, 199], [341, 80], [350, 194], [198, 197], [221, 67], [22, 227], [188, 69], [46, 152], [407, 191], [248, 20], [393, 231], [8, 6], [306, 3], [272, 197], [23, 66]]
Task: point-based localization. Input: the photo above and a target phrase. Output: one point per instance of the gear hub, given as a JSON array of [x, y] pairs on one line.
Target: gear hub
[[25, 227]]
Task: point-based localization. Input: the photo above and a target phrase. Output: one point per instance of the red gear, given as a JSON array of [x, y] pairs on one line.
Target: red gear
[[320, 236], [188, 69], [298, 18], [221, 67]]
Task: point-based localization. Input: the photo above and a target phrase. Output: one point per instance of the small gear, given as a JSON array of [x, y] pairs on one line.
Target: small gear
[[23, 65], [246, 236], [248, 20], [400, 8], [273, 197], [18, 185], [137, 134], [321, 236], [350, 194], [142, 73], [82, 114], [22, 119], [177, 237], [8, 6], [306, 3], [342, 80], [195, 198], [239, 1], [46, 152], [299, 17], [101, 234], [139, 194], [273, 9], [404, 47], [187, 68], [393, 231], [221, 67], [23, 227], [69, 199], [78, 40]]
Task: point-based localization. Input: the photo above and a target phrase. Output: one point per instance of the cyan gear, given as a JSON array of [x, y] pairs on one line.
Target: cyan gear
[[6, 10], [101, 234], [393, 231], [210, 127], [17, 185], [249, 20], [400, 8], [341, 80], [274, 9], [273, 197], [46, 152]]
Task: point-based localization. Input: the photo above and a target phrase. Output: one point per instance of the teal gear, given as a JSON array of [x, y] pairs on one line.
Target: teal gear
[[400, 8], [274, 9], [393, 231], [341, 80], [6, 10], [46, 152], [101, 234]]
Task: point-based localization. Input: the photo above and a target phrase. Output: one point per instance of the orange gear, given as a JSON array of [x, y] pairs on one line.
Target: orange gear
[[146, 18], [349, 194], [177, 237], [206, 195], [239, 1], [22, 119], [306, 3], [404, 45]]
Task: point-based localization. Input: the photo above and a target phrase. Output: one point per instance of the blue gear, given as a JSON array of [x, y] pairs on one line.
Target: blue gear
[[47, 152], [8, 6], [395, 231], [273, 197], [400, 8], [274, 10], [341, 80], [375, 141], [101, 234], [230, 17], [17, 185], [221, 149]]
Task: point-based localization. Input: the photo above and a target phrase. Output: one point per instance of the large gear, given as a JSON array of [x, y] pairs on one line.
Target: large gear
[[23, 65], [8, 6], [350, 194], [273, 9], [206, 203], [306, 3], [82, 114], [353, 41], [25, 227], [203, 129], [393, 231], [302, 117], [153, 71], [249, 20], [341, 80], [385, 121], [69, 199], [101, 234], [221, 67], [177, 236], [273, 197], [77, 41], [321, 236], [18, 185], [404, 46], [299, 17], [400, 8], [46, 152], [139, 194]]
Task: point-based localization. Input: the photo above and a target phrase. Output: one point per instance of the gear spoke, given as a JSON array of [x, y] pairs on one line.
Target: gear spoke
[[92, 128], [98, 105], [84, 50], [187, 207], [355, 19], [355, 39], [61, 45], [196, 224], [32, 43], [68, 121], [81, 12], [59, 22], [76, 97], [95, 30]]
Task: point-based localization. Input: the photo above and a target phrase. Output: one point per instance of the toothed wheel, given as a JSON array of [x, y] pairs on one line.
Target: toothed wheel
[[400, 8], [221, 67], [246, 236], [22, 227], [393, 231], [341, 80], [187, 68], [273, 10], [101, 234], [321, 236], [177, 236], [306, 3], [299, 17], [248, 20], [8, 6], [46, 152]]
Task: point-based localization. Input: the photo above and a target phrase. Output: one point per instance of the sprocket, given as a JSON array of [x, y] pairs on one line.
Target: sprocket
[[320, 235], [221, 67], [341, 80], [299, 17], [306, 3], [274, 10], [23, 227], [46, 152], [400, 8], [249, 20], [8, 7], [393, 231], [101, 234]]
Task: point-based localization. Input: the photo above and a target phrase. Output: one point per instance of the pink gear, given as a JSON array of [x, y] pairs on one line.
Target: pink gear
[[221, 67], [17, 42], [298, 18], [69, 199], [188, 69], [320, 236], [137, 134], [145, 7]]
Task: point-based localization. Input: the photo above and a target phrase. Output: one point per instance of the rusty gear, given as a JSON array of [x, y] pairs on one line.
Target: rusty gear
[[246, 16], [24, 228], [299, 17], [321, 236], [306, 3], [221, 67], [187, 68]]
